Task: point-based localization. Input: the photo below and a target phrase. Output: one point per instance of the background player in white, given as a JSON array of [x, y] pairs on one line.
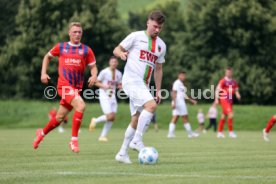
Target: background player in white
[[179, 106], [108, 80], [144, 52]]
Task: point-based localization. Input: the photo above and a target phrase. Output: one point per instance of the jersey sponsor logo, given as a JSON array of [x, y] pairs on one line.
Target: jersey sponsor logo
[[148, 56], [65, 50], [72, 61]]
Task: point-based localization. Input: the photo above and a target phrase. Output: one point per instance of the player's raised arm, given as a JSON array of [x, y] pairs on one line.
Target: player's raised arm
[[44, 76], [94, 72], [120, 52]]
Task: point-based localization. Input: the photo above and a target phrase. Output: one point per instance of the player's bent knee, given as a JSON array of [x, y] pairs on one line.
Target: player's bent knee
[[60, 118], [111, 117], [150, 106], [231, 115]]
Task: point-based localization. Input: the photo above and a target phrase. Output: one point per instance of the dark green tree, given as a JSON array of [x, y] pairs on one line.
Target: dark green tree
[[40, 25], [233, 33]]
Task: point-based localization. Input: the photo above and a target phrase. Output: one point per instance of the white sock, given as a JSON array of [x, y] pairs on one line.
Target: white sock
[[100, 119], [106, 128], [171, 128], [188, 128], [143, 121], [128, 137]]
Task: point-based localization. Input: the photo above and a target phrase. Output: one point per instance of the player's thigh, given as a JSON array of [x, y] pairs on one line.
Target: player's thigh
[[78, 104], [138, 93]]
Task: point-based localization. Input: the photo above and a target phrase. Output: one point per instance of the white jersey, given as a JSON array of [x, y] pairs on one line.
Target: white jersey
[[212, 113], [200, 117], [108, 77], [180, 89], [143, 53]]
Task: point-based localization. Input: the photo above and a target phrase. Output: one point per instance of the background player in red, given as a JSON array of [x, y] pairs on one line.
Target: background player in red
[[269, 125], [73, 59], [225, 90]]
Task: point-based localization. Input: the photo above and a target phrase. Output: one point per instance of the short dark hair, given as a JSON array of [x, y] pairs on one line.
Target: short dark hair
[[113, 57], [157, 16], [229, 68], [181, 72]]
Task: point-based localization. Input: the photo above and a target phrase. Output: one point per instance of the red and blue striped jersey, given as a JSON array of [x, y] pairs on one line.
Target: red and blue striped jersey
[[73, 60]]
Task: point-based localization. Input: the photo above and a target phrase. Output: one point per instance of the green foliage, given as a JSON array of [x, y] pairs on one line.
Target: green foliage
[[40, 25], [233, 33]]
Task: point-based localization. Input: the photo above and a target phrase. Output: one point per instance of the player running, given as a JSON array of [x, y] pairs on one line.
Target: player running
[[108, 80], [73, 59], [179, 108], [144, 52], [225, 90]]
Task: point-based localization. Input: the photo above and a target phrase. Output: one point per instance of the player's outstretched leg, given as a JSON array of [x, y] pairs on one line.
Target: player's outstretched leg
[[269, 125], [40, 133]]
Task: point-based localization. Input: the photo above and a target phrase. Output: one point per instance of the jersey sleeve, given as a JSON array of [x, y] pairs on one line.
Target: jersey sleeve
[[55, 50], [175, 86], [90, 58], [101, 76], [161, 59], [220, 84], [128, 41]]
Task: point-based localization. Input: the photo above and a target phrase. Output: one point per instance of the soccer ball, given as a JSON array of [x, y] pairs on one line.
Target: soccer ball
[[148, 155]]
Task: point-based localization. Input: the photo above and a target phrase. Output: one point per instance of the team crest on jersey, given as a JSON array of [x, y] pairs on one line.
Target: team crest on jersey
[[80, 52], [65, 50], [159, 48]]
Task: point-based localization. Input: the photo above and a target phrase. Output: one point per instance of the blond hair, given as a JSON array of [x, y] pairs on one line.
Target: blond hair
[[77, 24]]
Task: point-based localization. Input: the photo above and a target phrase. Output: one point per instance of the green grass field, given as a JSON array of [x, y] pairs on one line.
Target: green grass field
[[33, 114], [208, 160], [247, 159]]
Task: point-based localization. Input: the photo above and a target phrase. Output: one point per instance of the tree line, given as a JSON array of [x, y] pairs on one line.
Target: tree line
[[202, 39]]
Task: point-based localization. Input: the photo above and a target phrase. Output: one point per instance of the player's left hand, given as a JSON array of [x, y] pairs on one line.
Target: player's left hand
[[91, 81]]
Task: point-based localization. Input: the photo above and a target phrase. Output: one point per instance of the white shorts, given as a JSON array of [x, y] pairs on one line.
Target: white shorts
[[108, 105], [138, 94], [180, 109]]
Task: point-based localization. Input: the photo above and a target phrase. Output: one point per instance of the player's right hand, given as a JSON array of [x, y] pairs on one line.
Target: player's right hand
[[45, 78], [123, 55]]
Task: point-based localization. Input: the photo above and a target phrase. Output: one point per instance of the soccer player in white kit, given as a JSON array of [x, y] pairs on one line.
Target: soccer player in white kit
[[108, 80], [144, 52], [179, 106]]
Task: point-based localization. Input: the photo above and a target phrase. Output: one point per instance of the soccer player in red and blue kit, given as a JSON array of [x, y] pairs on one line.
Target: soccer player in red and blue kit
[[225, 90], [73, 59]]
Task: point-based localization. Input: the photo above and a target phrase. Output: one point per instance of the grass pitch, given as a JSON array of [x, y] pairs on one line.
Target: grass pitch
[[247, 159]]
